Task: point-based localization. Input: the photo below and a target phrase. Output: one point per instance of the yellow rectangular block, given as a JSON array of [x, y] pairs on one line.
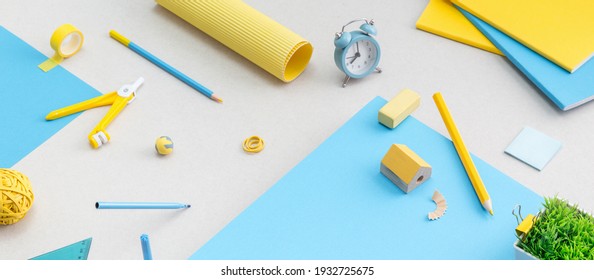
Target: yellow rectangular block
[[399, 108], [248, 32]]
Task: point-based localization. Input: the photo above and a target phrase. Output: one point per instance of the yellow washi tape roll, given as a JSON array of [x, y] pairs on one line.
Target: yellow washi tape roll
[[66, 41]]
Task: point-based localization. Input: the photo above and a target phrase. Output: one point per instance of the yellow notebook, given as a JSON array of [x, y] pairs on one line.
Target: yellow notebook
[[560, 30], [442, 18]]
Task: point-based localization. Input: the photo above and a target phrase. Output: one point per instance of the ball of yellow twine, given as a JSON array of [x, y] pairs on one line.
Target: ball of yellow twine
[[16, 196], [253, 144]]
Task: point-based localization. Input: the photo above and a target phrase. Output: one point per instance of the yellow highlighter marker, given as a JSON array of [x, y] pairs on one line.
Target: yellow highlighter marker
[[469, 166]]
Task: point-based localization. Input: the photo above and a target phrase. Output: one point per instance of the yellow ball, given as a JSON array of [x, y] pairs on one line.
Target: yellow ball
[[164, 145], [16, 196]]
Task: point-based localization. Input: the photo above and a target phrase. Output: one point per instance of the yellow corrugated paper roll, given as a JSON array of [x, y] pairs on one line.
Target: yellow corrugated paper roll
[[248, 32], [16, 196]]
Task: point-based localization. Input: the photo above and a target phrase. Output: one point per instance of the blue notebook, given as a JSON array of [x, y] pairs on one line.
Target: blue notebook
[[337, 205], [28, 95], [565, 89]]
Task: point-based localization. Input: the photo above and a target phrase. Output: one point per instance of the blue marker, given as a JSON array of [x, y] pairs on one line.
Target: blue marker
[[140, 205], [146, 247]]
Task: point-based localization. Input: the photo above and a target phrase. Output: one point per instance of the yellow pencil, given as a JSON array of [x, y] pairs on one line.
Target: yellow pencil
[[471, 171]]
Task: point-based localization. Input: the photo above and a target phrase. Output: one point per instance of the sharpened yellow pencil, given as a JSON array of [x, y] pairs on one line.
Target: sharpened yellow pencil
[[473, 175]]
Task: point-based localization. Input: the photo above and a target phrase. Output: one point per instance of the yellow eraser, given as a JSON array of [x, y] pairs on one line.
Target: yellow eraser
[[399, 108]]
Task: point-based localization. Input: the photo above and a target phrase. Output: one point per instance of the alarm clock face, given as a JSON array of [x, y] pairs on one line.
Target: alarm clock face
[[361, 57]]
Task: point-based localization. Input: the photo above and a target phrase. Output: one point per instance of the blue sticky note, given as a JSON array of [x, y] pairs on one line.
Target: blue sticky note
[[337, 205], [28, 95], [533, 147], [566, 90]]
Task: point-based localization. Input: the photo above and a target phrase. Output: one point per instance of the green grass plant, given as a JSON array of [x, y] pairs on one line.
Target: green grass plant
[[561, 232]]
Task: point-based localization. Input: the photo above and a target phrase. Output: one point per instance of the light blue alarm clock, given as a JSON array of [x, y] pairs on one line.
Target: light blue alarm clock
[[357, 52]]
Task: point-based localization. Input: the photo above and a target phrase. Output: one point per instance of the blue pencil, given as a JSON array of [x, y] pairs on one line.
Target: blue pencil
[[140, 205], [146, 247], [155, 60]]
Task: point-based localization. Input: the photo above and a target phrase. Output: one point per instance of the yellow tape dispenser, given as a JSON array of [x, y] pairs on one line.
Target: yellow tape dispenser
[[66, 41], [118, 101]]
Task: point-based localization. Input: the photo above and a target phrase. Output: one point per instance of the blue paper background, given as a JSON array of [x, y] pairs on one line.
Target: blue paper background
[[337, 205], [28, 95]]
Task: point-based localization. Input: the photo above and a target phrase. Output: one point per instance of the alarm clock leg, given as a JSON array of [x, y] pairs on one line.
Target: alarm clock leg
[[346, 80], [378, 70]]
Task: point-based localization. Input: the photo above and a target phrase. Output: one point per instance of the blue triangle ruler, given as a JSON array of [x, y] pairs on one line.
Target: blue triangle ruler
[[75, 251]]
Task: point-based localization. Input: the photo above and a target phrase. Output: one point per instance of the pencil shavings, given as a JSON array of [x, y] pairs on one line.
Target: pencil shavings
[[441, 208]]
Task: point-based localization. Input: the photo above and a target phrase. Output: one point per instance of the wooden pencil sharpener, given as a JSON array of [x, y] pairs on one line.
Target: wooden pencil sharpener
[[405, 168]]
